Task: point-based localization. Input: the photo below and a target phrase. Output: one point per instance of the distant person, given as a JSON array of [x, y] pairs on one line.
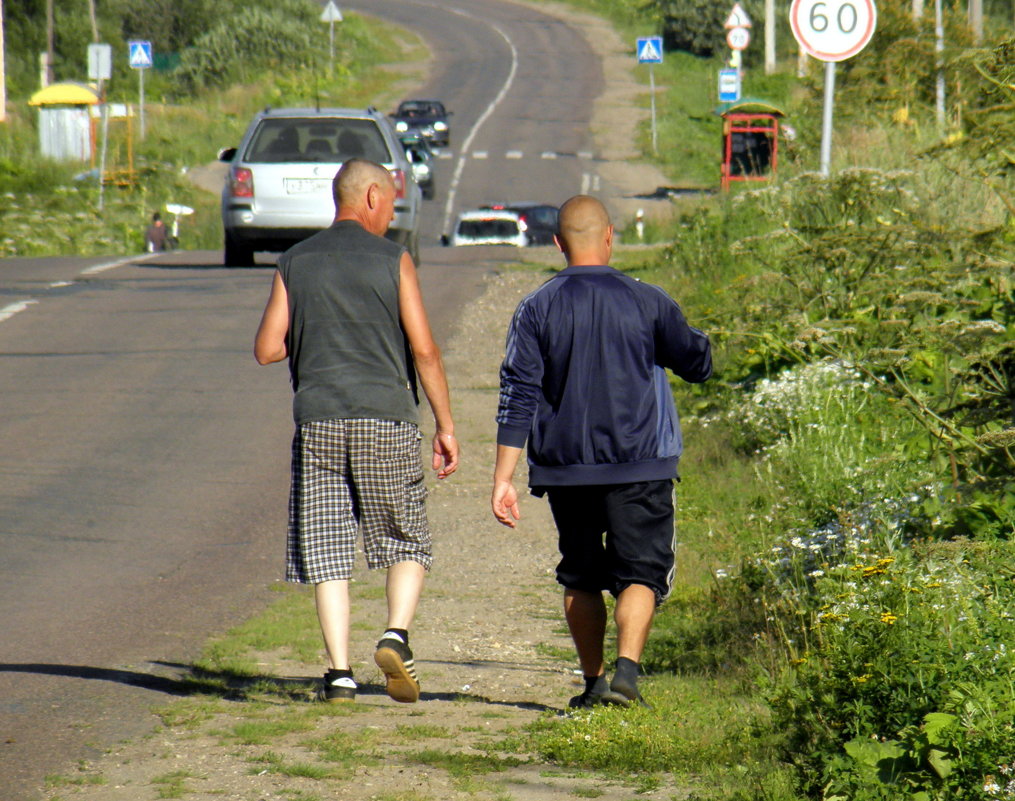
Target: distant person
[[346, 310], [584, 381], [156, 236]]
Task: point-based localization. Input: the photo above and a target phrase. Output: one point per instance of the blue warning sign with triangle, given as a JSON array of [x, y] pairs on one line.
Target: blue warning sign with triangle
[[140, 54], [650, 50]]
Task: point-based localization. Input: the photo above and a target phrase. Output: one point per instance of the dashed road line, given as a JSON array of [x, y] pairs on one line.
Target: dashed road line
[[11, 309]]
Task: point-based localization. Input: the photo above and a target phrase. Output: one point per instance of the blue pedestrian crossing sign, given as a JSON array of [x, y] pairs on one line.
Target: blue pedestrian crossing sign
[[140, 54], [650, 50]]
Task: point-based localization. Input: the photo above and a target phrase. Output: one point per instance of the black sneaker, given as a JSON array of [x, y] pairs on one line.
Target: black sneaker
[[629, 692], [338, 687], [590, 700], [394, 657]]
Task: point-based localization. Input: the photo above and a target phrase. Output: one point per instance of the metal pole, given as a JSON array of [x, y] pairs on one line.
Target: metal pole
[[652, 97], [3, 74], [769, 37], [331, 47], [140, 80], [102, 156], [826, 118], [939, 47]]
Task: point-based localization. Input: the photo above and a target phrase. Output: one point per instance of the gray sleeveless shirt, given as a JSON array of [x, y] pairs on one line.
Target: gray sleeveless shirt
[[348, 355]]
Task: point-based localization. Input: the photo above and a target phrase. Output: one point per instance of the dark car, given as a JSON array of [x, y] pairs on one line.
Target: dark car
[[540, 220], [426, 118]]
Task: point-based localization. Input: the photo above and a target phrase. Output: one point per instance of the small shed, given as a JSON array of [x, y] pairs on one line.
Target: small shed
[[750, 134], [66, 128]]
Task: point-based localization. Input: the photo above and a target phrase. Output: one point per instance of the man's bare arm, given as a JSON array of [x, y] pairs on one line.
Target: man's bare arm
[[429, 366], [504, 500], [270, 342]]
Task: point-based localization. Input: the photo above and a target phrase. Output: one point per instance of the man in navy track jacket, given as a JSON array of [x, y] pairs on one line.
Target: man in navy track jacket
[[584, 382]]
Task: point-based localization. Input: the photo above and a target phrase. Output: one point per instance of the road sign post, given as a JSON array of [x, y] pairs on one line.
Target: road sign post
[[650, 51], [140, 56], [331, 15], [832, 31]]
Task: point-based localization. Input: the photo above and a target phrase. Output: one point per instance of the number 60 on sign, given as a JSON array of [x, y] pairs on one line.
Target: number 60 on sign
[[833, 30]]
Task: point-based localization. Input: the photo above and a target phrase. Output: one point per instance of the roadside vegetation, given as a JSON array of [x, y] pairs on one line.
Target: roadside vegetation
[[212, 72], [848, 506]]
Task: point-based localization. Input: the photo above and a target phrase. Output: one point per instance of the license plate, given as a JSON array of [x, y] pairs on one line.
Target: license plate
[[306, 186]]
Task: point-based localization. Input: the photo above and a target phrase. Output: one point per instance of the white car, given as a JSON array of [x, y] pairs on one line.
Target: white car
[[490, 227], [278, 191]]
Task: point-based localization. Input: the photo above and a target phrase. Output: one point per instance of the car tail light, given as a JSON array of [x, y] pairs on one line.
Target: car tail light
[[242, 184], [399, 178]]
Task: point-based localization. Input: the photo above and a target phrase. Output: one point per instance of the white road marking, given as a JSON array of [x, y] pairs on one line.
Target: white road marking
[[57, 284], [584, 154], [457, 177], [101, 268], [595, 183], [479, 154], [13, 308], [513, 154], [549, 154], [445, 155]]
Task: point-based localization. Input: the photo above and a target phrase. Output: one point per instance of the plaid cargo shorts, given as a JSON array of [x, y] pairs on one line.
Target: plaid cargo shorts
[[349, 475]]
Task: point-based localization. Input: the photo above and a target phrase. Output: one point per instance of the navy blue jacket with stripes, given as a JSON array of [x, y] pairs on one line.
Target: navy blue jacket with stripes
[[584, 379]]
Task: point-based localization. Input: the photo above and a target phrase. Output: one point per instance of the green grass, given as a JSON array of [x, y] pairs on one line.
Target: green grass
[[173, 784], [279, 766]]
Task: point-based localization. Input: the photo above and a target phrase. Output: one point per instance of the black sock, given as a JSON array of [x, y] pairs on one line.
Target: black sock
[[596, 685], [401, 633], [627, 671], [338, 674]]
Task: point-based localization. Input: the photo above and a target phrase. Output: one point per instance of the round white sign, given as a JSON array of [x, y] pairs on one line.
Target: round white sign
[[833, 30], [738, 38]]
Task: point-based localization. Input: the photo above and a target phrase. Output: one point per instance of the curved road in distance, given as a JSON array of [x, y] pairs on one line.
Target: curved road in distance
[[144, 454], [521, 84]]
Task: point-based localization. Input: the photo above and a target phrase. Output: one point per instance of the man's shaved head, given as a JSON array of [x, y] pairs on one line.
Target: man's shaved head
[[354, 179], [584, 231]]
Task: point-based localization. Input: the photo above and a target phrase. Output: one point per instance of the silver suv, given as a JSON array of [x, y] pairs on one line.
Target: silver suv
[[278, 190]]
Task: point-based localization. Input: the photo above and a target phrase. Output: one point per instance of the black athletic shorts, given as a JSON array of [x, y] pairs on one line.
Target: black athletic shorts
[[638, 546]]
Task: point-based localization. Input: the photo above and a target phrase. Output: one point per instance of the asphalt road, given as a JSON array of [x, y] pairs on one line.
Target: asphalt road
[[144, 454]]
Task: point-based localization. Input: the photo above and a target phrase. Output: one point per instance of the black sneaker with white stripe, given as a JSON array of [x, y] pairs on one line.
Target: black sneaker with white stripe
[[339, 685], [394, 657]]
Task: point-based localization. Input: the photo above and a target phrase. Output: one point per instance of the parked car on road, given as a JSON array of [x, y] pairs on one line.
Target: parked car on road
[[278, 190], [540, 220], [489, 227], [428, 118]]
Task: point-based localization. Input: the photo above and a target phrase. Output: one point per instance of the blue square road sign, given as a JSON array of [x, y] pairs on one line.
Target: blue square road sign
[[650, 50], [140, 54]]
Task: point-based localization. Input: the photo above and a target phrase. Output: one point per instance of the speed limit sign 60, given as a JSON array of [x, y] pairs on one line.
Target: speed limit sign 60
[[833, 30]]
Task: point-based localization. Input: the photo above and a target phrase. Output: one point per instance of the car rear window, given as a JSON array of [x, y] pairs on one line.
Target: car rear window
[[487, 229], [289, 140]]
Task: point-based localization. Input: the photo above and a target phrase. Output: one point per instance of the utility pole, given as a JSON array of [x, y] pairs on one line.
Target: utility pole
[[3, 73], [769, 37], [49, 42], [91, 16], [975, 12]]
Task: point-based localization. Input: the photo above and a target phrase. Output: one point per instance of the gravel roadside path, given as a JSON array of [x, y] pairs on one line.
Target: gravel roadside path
[[491, 648]]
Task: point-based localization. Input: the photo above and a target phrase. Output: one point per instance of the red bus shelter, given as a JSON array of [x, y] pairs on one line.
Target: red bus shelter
[[750, 140]]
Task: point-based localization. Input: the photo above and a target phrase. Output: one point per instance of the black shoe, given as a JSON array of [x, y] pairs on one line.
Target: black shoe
[[337, 687], [629, 692], [590, 700], [394, 657]]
